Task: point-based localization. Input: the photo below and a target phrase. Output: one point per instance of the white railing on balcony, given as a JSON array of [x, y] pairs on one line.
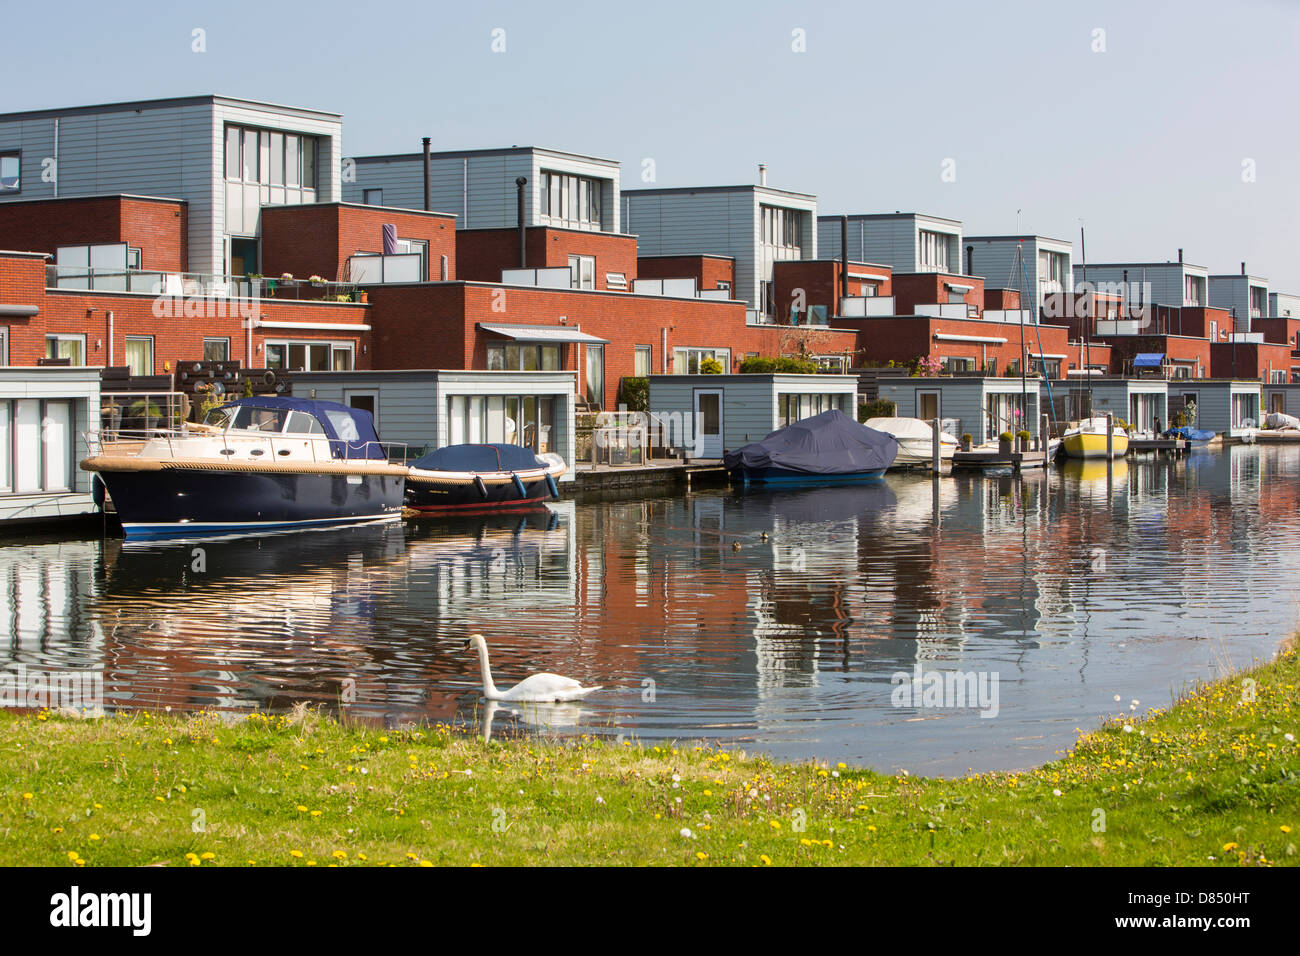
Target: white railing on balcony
[[943, 310], [864, 306], [1121, 327], [1011, 316], [559, 277], [369, 269], [755, 317], [678, 288]]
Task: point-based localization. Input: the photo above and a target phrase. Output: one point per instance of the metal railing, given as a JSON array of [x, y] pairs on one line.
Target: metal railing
[[281, 447], [140, 411]]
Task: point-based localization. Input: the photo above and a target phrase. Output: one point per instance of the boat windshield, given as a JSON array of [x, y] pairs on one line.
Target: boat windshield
[[269, 420]]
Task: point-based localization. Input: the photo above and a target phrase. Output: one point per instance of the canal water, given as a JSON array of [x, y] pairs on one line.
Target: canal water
[[803, 624]]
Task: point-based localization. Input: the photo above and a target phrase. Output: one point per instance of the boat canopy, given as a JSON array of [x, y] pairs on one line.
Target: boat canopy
[[351, 431], [479, 459], [831, 443], [1149, 360]]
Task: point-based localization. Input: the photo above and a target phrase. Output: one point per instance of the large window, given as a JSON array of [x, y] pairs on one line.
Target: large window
[[687, 361], [1258, 302], [527, 420], [216, 350], [571, 200], [139, 354], [933, 251], [781, 227], [643, 364], [4, 346], [309, 356], [791, 408], [11, 162], [71, 347], [1051, 272], [523, 358], [36, 445], [270, 158], [1193, 292], [596, 376]]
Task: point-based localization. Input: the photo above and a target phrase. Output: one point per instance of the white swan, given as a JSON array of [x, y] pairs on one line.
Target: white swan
[[538, 687]]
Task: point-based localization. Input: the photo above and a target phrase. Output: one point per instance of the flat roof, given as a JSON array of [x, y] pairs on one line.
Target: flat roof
[[1025, 238], [742, 187], [90, 197], [488, 151], [361, 205], [139, 105], [682, 255], [890, 215], [1138, 265]]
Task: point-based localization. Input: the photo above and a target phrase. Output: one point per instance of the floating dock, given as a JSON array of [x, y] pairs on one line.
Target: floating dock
[[1016, 460], [1174, 447]]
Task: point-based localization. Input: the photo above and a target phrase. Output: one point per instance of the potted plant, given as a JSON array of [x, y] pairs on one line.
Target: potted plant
[[1022, 440], [1004, 443], [363, 296], [966, 439]]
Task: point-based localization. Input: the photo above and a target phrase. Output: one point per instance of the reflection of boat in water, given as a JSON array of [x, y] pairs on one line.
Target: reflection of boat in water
[[1091, 470], [825, 449], [819, 505], [256, 464], [1088, 440], [915, 440], [496, 477]]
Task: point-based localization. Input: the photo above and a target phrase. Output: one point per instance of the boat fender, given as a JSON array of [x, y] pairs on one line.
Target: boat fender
[[97, 491], [551, 487], [519, 485], [482, 488]]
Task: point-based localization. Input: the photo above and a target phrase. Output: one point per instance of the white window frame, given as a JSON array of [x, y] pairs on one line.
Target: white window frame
[[214, 339], [582, 272], [649, 353], [334, 346], [138, 339], [4, 345], [63, 337]]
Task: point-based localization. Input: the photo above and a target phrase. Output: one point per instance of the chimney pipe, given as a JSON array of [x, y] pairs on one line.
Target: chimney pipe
[[1243, 268], [970, 260], [762, 174], [523, 243], [844, 258], [1180, 255], [428, 205]]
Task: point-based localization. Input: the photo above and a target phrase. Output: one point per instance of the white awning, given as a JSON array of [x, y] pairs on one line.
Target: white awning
[[873, 276], [957, 287], [543, 333], [985, 339], [1050, 355]]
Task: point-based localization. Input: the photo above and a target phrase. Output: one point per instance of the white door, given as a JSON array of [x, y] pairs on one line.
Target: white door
[[708, 423]]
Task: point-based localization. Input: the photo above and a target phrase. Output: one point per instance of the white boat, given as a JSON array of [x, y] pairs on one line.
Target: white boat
[[915, 439]]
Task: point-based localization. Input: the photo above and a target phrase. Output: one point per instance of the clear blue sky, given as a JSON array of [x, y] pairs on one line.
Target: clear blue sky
[[1144, 142]]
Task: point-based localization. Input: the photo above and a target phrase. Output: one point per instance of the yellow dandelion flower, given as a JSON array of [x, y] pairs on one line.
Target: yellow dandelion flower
[[701, 855], [340, 855], [1285, 828], [301, 808], [767, 860], [94, 836], [208, 856], [28, 796], [296, 854]]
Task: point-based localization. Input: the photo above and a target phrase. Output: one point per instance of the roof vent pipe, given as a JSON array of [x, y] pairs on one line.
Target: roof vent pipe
[[844, 258], [1243, 268], [762, 174], [523, 245], [428, 205], [1180, 255]]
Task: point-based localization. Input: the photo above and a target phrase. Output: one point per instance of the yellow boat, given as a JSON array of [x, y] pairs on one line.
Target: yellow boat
[[1088, 440]]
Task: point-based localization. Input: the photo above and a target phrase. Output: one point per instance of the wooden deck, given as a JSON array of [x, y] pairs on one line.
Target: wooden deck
[[1016, 460], [1174, 447]]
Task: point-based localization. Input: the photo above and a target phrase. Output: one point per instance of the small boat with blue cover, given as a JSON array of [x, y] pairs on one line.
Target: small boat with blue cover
[[489, 477], [254, 465], [826, 449]]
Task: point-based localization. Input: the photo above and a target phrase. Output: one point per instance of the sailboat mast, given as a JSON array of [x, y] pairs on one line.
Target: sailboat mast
[[1087, 319]]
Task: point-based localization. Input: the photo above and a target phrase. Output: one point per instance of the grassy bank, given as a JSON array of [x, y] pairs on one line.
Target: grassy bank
[[1212, 781]]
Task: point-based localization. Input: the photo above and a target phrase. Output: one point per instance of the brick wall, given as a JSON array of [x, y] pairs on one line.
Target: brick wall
[[902, 339], [911, 289], [820, 281], [1247, 360], [707, 271], [1186, 349], [158, 228], [317, 238], [422, 327], [484, 253]]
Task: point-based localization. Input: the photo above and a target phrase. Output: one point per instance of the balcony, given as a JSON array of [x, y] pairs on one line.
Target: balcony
[[195, 284], [947, 310], [1011, 316], [866, 306], [381, 269]]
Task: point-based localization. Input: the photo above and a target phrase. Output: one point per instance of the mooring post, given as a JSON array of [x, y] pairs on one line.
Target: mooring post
[[935, 457]]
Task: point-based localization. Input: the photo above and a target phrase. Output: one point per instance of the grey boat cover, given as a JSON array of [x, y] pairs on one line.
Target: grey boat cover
[[827, 444]]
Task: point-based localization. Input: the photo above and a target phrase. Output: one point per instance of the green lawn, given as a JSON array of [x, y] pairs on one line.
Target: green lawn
[[1211, 781]]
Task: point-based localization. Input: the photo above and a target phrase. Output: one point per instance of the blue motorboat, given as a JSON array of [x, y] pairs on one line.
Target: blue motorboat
[[826, 449], [482, 478], [256, 464], [1193, 436]]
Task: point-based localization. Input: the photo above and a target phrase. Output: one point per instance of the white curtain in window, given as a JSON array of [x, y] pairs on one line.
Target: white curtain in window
[[27, 445], [57, 428]]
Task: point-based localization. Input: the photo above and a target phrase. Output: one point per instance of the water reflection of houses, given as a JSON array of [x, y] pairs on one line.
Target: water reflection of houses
[[358, 615]]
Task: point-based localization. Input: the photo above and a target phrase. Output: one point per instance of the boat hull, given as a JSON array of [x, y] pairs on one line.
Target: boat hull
[[783, 478], [466, 497], [176, 502], [1092, 445]]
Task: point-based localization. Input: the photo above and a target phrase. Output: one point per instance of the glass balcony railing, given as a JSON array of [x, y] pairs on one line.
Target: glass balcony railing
[[191, 284]]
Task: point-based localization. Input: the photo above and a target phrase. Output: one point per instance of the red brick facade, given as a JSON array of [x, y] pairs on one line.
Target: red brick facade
[[317, 238], [819, 282], [159, 228], [706, 270], [484, 253], [930, 288], [1250, 360]]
